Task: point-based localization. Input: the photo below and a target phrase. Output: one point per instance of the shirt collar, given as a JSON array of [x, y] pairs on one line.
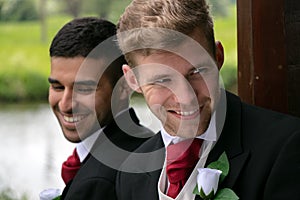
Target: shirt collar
[[209, 135], [84, 147]]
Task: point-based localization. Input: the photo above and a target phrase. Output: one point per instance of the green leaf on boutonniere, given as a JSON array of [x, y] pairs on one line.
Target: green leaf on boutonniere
[[196, 191], [56, 198], [221, 164], [202, 194], [226, 194]]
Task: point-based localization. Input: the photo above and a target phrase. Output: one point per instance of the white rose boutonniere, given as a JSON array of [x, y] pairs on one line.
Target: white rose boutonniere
[[50, 194], [209, 178], [208, 181]]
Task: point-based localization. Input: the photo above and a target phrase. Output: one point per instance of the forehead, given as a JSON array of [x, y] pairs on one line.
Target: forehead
[[172, 62], [66, 64], [77, 68], [161, 62], [192, 50]]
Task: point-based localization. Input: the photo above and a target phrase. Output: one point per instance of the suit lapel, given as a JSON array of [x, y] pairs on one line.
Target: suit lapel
[[129, 123], [146, 183], [230, 141]]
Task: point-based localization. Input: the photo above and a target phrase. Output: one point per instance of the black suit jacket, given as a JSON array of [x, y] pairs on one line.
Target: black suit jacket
[[95, 179], [263, 148]]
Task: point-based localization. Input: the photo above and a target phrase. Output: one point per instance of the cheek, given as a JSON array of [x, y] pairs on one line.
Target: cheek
[[53, 98], [154, 96], [156, 99], [91, 102], [103, 101], [213, 88], [205, 87], [212, 81]]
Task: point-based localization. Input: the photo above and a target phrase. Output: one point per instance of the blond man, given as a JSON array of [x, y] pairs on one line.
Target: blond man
[[173, 61]]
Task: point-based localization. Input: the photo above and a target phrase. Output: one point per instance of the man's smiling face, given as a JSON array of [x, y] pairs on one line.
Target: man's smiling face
[[179, 79], [80, 103], [179, 94]]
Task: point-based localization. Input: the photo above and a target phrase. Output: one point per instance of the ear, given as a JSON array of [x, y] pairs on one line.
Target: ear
[[131, 78], [219, 54]]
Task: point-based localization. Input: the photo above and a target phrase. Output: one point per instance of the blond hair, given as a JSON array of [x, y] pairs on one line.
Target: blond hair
[[142, 18]]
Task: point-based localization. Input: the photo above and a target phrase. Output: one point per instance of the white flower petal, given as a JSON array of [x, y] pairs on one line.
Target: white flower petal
[[49, 194], [208, 180]]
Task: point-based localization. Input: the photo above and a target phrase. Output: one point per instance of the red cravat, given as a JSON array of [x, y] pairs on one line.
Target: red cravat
[[181, 160], [70, 167]]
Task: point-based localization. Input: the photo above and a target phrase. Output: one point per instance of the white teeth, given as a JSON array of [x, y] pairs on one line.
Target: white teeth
[[187, 113], [73, 119]]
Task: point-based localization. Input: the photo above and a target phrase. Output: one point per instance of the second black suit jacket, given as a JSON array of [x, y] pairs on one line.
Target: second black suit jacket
[[263, 148], [95, 179]]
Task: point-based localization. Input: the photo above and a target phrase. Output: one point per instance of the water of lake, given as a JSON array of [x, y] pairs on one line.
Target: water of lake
[[33, 147]]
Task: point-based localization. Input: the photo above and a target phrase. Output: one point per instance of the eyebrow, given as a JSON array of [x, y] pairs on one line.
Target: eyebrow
[[204, 62], [53, 81], [85, 82], [159, 76]]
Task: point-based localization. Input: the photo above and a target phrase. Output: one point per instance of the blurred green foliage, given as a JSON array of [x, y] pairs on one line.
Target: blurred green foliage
[[24, 60], [18, 10], [9, 194], [25, 63], [220, 7], [226, 32]]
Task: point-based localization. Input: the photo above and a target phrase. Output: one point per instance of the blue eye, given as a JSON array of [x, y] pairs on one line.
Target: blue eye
[[163, 80], [200, 70]]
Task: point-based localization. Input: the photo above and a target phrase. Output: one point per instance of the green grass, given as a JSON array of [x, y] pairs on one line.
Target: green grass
[[226, 32], [25, 63], [21, 47]]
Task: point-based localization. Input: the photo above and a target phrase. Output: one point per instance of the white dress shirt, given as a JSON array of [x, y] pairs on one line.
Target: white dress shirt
[[209, 137], [84, 147]]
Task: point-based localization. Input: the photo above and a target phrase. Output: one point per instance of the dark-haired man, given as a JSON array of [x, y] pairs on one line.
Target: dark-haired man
[[85, 72]]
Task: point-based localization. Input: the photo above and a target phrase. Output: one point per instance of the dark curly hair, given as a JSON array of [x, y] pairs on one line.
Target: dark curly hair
[[81, 36]]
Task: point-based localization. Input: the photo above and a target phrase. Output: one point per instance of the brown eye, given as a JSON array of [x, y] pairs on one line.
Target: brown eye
[[57, 87], [85, 89]]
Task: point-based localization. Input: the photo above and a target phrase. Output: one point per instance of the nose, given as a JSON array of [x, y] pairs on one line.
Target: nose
[[65, 104], [184, 92]]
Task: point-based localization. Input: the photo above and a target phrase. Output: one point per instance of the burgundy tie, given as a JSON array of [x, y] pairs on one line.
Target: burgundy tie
[[70, 167], [181, 160]]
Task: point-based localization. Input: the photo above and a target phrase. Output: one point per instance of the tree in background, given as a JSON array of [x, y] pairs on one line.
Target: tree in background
[[74, 7], [43, 19], [102, 8], [22, 10], [18, 10], [220, 7], [1, 5]]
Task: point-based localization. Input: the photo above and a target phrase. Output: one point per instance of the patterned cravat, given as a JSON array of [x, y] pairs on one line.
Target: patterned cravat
[[181, 160], [70, 167]]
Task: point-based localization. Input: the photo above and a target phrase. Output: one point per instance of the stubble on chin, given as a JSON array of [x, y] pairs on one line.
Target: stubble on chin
[[189, 128]]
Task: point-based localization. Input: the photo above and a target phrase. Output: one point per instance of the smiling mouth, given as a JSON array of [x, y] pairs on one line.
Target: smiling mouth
[[73, 119], [186, 114]]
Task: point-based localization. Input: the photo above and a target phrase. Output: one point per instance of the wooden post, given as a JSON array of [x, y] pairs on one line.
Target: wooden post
[[268, 54]]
